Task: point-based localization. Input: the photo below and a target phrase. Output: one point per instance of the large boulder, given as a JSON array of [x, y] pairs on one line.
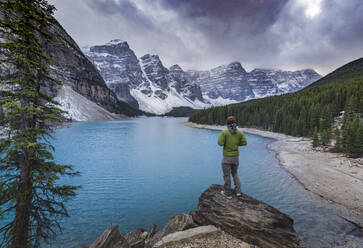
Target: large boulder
[[246, 218], [152, 232], [139, 237], [177, 223], [111, 238], [136, 238], [201, 237], [187, 234]]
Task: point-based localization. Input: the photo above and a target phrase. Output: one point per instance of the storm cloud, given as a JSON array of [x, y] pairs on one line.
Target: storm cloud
[[202, 34]]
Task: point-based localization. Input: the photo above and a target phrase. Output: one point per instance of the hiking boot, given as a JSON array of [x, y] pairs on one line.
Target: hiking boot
[[226, 194]]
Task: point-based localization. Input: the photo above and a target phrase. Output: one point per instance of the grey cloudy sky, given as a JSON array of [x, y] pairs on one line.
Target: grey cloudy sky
[[202, 34]]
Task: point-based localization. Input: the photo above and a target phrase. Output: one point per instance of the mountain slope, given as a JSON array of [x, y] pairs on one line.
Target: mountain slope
[[86, 86], [348, 71], [73, 68]]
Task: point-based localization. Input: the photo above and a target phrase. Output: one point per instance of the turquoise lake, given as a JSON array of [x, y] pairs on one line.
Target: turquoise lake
[[138, 172]]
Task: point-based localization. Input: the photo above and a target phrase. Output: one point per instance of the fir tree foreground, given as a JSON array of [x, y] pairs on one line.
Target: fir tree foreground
[[28, 174]]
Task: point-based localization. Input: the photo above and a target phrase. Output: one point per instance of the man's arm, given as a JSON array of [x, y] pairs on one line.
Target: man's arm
[[221, 139], [243, 140]]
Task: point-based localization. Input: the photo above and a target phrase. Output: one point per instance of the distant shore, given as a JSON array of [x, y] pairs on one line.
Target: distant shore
[[329, 175]]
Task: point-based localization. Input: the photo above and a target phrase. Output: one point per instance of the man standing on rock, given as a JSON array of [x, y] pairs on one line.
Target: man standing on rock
[[231, 138]]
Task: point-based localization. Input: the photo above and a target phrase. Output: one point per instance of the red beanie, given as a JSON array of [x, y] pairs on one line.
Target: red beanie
[[231, 120]]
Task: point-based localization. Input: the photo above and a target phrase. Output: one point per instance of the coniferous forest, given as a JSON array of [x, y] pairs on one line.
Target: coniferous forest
[[331, 108]]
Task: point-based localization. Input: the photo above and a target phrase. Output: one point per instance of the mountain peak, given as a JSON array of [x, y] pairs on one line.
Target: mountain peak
[[175, 67], [236, 66], [114, 47], [231, 67], [150, 56], [116, 42], [308, 71]]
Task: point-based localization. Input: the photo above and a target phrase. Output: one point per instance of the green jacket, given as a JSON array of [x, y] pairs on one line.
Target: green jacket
[[230, 140]]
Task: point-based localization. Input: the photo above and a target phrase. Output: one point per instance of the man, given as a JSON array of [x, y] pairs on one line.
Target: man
[[231, 138]]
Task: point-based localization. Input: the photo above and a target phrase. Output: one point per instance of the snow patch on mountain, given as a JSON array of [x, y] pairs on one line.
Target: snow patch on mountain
[[79, 108], [219, 101], [160, 106]]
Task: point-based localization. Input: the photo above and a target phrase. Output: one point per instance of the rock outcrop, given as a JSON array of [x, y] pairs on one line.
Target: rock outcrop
[[238, 222], [202, 237], [136, 238], [246, 218], [177, 223], [187, 234], [111, 238]]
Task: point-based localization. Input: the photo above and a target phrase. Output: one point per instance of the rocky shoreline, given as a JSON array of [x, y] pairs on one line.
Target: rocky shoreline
[[332, 176], [217, 222]]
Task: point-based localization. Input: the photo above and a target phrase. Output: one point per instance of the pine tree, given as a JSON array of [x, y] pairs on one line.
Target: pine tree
[[350, 140], [345, 133], [28, 174], [2, 115], [324, 137], [328, 135], [360, 140], [354, 146], [338, 141], [315, 138]]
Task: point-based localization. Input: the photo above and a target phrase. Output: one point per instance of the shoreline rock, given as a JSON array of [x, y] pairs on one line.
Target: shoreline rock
[[202, 237], [110, 238], [177, 223], [239, 222], [246, 218], [136, 238], [187, 234]]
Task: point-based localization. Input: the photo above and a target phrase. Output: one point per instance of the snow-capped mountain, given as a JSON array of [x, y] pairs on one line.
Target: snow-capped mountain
[[144, 82], [147, 84], [224, 84], [231, 83], [267, 82], [114, 60], [84, 93]]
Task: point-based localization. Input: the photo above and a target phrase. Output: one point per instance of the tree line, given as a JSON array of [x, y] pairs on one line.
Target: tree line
[[308, 113]]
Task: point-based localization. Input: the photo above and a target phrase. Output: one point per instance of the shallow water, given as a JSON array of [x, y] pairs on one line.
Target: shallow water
[[138, 172]]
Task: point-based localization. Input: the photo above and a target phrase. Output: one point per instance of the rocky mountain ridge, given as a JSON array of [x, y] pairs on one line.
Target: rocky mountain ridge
[[146, 83], [232, 83]]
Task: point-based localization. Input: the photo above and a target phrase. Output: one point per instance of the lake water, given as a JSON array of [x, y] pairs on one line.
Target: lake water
[[142, 171]]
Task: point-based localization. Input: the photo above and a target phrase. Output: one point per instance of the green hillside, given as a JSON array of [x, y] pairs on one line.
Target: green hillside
[[180, 112], [124, 108], [350, 71], [300, 113]]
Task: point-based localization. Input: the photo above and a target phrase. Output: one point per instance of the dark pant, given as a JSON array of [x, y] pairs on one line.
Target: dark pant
[[230, 166]]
